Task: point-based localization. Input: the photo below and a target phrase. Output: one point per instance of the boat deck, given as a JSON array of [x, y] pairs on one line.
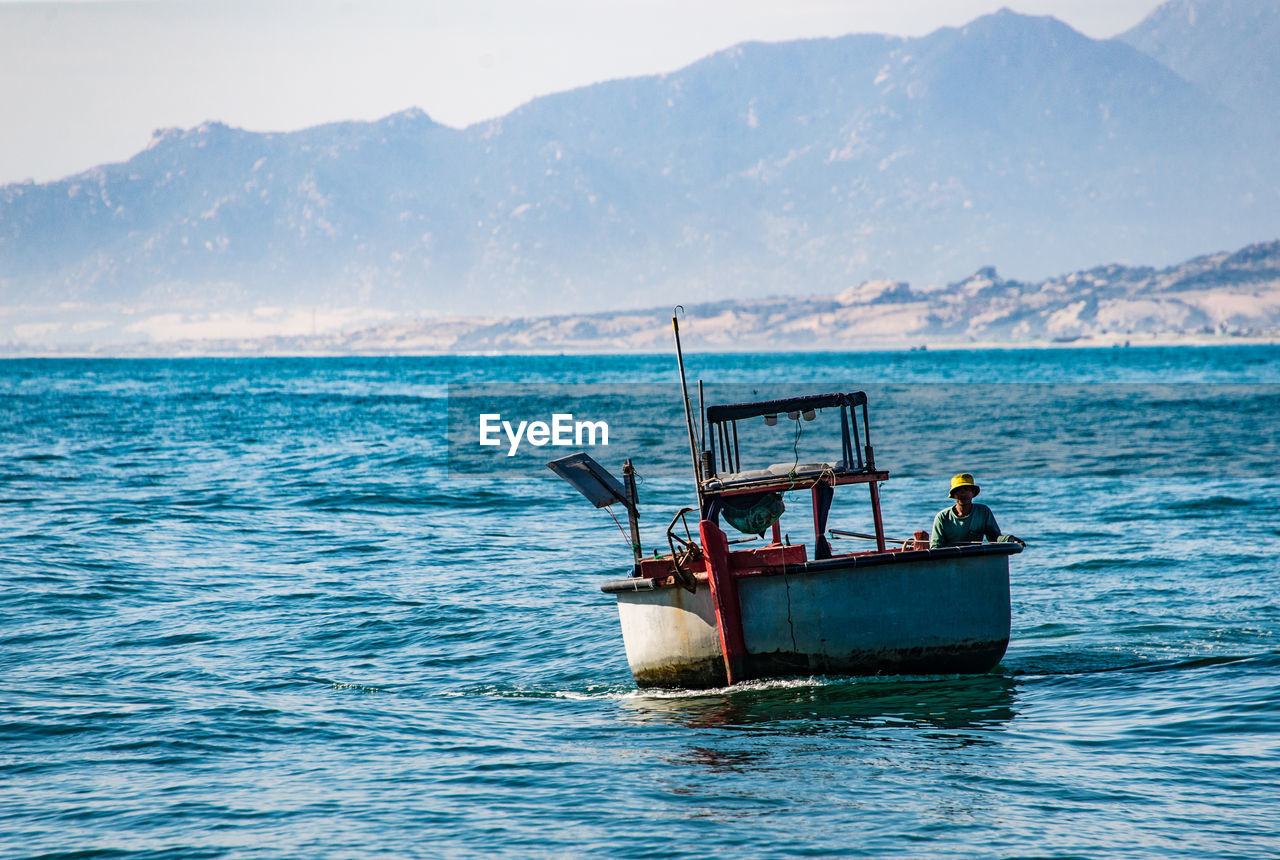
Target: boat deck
[[775, 560]]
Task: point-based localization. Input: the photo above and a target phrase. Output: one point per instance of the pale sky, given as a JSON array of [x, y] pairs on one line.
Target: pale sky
[[83, 83]]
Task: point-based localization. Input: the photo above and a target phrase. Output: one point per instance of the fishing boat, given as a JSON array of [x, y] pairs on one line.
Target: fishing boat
[[711, 612]]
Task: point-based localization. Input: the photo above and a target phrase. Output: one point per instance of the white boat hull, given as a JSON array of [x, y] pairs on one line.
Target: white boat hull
[[935, 612]]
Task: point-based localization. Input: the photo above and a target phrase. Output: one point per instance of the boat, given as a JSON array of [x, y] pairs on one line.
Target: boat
[[712, 613]]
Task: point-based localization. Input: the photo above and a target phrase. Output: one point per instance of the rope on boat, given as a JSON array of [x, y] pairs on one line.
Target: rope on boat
[[837, 533], [625, 536]]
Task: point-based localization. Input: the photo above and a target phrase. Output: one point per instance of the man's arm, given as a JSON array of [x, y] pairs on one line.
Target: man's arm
[[992, 530]]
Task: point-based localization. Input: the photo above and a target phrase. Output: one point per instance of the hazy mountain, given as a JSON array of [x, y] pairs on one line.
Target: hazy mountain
[[1227, 47], [790, 168]]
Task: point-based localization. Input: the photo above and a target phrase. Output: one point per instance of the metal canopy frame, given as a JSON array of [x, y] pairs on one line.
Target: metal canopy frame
[[858, 467], [722, 438]]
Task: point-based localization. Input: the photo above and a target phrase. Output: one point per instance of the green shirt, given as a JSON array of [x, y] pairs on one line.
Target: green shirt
[[949, 528]]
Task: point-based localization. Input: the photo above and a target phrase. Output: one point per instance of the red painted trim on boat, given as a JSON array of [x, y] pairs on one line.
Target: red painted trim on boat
[[724, 594]]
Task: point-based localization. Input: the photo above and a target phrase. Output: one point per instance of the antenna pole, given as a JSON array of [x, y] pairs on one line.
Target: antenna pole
[[633, 508], [702, 423], [688, 412]]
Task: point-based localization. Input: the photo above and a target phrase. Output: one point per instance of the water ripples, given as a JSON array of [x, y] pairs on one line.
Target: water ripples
[[249, 614]]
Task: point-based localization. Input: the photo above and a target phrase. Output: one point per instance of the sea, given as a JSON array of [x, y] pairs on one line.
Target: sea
[[273, 608]]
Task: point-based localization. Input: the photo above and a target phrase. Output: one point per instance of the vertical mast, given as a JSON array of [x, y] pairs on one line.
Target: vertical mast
[[688, 412], [633, 507]]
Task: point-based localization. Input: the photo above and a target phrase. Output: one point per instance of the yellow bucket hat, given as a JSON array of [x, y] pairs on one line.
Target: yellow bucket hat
[[964, 479]]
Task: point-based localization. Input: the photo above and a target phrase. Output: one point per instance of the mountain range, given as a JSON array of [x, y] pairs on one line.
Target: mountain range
[[1225, 47], [796, 168]]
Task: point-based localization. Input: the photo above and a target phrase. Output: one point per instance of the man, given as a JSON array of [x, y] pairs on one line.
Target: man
[[965, 522]]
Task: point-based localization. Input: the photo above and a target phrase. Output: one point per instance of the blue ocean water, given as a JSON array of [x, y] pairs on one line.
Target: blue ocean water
[[248, 612]]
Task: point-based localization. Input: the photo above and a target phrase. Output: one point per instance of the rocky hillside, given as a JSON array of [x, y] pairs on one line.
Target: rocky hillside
[[1218, 298]]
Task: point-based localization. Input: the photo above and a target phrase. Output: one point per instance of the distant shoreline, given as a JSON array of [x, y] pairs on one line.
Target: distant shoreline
[[204, 349], [1221, 298]]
